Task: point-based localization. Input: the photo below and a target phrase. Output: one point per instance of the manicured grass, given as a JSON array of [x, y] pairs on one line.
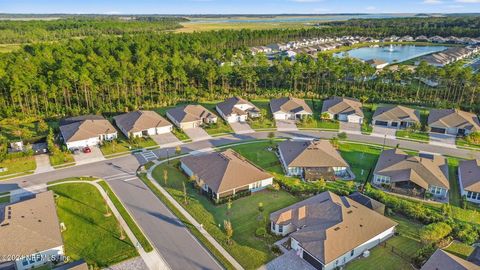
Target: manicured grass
[[460, 249], [315, 122], [82, 178], [454, 192], [18, 165], [463, 142], [61, 158], [405, 134], [368, 110], [261, 154], [126, 216], [5, 199], [265, 121], [247, 249], [90, 234], [180, 134], [221, 127], [361, 158], [122, 144]]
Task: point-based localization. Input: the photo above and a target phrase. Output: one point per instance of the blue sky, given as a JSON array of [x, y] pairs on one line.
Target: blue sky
[[237, 6]]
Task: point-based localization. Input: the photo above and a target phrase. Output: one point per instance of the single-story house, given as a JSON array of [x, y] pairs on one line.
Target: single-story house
[[88, 130], [343, 109], [142, 123], [191, 116], [32, 231], [469, 178], [474, 257], [313, 160], [328, 230], [377, 63], [410, 174], [237, 109], [289, 108], [368, 202], [223, 174], [453, 122], [442, 260], [395, 117]]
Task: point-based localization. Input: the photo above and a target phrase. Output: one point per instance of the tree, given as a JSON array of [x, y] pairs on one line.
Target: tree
[[432, 233], [335, 142], [165, 176], [325, 116], [185, 195], [271, 136], [178, 150], [227, 225], [350, 185], [229, 206], [42, 126]]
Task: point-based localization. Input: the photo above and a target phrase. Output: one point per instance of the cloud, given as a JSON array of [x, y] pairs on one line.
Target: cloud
[[370, 8], [432, 2], [468, 1]]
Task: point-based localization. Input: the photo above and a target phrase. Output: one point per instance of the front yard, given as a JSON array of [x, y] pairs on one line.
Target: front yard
[[18, 165], [316, 122], [462, 142], [409, 135], [221, 127], [122, 144], [92, 232], [60, 158], [265, 121]]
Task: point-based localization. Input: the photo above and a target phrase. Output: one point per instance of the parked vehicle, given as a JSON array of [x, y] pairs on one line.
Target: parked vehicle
[[87, 150]]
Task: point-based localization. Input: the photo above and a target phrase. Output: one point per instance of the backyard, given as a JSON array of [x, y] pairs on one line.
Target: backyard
[[92, 232]]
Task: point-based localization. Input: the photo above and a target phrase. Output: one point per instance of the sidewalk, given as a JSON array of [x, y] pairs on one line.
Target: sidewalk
[[189, 217]]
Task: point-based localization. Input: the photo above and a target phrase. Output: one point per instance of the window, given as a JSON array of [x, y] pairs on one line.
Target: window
[[352, 252], [469, 194], [24, 262], [280, 228]]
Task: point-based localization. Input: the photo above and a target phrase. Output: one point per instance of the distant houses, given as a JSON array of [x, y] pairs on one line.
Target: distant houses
[[191, 116], [399, 117], [289, 108], [329, 231], [88, 130], [225, 174], [448, 56], [377, 63], [412, 175], [236, 109], [469, 179], [313, 160], [142, 123], [343, 109], [453, 122]]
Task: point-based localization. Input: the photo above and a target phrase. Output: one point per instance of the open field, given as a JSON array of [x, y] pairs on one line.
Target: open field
[[213, 26], [6, 48]]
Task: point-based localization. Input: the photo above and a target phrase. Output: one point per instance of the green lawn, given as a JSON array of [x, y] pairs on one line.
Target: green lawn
[[61, 158], [460, 249], [221, 127], [18, 165], [26, 129], [5, 199], [465, 143], [247, 249], [90, 233], [266, 120], [122, 144], [180, 134], [368, 110], [361, 158], [316, 122], [405, 134]]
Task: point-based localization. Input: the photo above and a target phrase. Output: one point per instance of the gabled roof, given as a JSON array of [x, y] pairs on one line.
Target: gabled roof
[[396, 113], [376, 62], [289, 105], [367, 201], [140, 120], [470, 174], [30, 226], [453, 118], [312, 154], [329, 226], [224, 171], [85, 127], [190, 113], [441, 260], [342, 105], [474, 257], [228, 106], [400, 167]]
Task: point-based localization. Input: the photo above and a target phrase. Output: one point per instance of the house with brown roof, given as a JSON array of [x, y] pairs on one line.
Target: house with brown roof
[[328, 230], [414, 175], [442, 260], [88, 130], [343, 109], [398, 116], [469, 179], [289, 108], [313, 160], [32, 231], [237, 109], [453, 122], [224, 174], [191, 116], [142, 123], [368, 202]]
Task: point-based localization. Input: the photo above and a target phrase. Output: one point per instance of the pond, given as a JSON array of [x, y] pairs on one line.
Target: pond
[[391, 54]]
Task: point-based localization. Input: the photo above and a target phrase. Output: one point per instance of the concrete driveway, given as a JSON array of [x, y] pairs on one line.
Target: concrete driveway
[[382, 131], [443, 139], [84, 158], [286, 125], [166, 140], [350, 127], [43, 163], [241, 128], [287, 261], [197, 134]]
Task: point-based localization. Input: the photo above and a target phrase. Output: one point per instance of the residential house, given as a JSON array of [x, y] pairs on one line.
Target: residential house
[[328, 230], [469, 179], [368, 202], [442, 260], [313, 160], [422, 39], [343, 109], [413, 175], [142, 123], [377, 63], [278, 47], [237, 109], [474, 257], [88, 130], [395, 117], [226, 173], [30, 233], [191, 116], [289, 108], [453, 122]]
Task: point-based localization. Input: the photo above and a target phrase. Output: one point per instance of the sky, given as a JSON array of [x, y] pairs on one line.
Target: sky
[[238, 6]]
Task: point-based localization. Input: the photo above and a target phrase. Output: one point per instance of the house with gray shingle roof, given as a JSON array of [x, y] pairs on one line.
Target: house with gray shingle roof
[[142, 123], [328, 230], [237, 109], [395, 116], [413, 175], [453, 122], [469, 179], [191, 116], [442, 260], [313, 160], [344, 109], [289, 108], [89, 130]]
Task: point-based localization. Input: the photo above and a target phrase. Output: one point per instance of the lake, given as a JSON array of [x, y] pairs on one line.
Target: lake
[[392, 54]]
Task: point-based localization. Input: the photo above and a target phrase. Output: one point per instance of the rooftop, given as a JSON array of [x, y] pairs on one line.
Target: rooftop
[[289, 105], [342, 105], [454, 118], [137, 121], [85, 127], [190, 113], [312, 154]]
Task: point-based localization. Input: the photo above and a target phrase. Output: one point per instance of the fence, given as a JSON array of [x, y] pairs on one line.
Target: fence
[[396, 251]]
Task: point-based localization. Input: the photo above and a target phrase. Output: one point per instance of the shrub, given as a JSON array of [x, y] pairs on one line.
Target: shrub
[[342, 135], [261, 232], [275, 249], [433, 233], [423, 254], [465, 233], [474, 137]]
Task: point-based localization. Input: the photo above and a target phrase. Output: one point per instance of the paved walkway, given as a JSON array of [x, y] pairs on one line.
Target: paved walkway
[[286, 125], [382, 131], [43, 163], [166, 139], [350, 127], [190, 218], [85, 158], [197, 134], [241, 128]]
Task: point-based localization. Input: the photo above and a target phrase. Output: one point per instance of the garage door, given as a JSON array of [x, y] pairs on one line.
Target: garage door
[[437, 130], [311, 260], [381, 123]]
